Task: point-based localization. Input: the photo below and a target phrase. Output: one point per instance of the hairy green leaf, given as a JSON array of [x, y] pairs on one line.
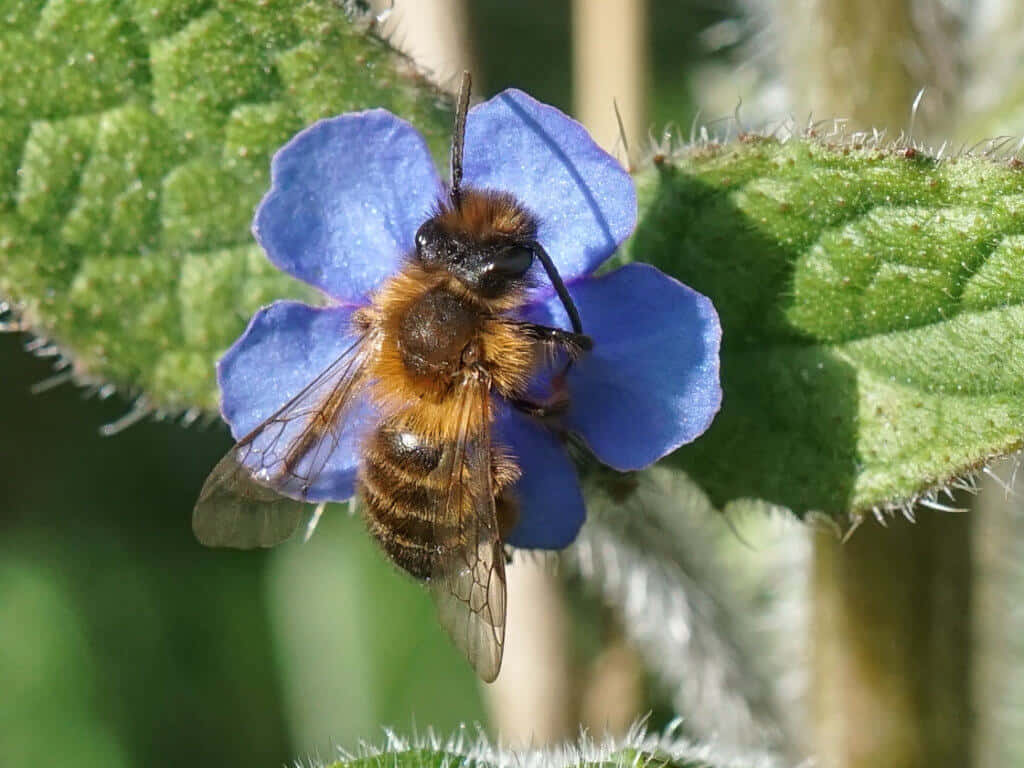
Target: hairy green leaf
[[872, 303], [135, 142], [636, 750]]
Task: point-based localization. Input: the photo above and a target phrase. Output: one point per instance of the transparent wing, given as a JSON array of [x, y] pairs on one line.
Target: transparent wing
[[468, 584], [256, 495]]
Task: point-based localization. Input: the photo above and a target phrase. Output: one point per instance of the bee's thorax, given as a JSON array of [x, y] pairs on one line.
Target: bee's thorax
[[435, 330], [434, 334]]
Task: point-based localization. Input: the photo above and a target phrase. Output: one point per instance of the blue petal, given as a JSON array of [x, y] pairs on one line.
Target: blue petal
[[346, 199], [551, 507], [651, 383], [584, 200], [286, 346]]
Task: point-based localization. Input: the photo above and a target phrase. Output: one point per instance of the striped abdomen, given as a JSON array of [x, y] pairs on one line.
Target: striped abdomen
[[406, 486], [404, 498]]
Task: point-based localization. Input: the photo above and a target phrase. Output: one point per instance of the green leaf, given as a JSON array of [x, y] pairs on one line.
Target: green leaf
[[135, 142], [636, 750], [872, 304]]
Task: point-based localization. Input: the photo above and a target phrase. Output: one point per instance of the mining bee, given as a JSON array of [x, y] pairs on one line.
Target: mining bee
[[436, 345]]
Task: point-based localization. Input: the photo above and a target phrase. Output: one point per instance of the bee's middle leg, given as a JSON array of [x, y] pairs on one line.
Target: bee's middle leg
[[547, 410], [550, 341], [574, 344]]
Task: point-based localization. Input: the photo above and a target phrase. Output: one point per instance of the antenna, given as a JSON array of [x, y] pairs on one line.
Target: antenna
[[560, 289], [459, 137]]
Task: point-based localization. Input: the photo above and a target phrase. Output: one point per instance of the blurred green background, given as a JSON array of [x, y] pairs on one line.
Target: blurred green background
[[125, 643]]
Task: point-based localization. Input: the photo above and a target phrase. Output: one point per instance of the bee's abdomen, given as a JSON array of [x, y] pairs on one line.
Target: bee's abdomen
[[404, 502]]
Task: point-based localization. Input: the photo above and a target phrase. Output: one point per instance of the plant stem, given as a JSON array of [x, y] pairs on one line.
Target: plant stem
[[435, 34], [865, 60], [531, 703], [891, 645], [998, 534], [610, 70]]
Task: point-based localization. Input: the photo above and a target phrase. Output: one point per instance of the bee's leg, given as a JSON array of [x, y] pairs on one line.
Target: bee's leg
[[363, 319], [504, 474], [574, 344], [551, 341], [548, 410], [506, 510]]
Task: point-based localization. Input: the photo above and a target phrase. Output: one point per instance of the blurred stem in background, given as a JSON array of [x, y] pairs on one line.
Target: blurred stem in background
[[435, 34], [532, 703], [998, 533], [994, 102], [610, 83], [892, 644], [890, 629], [865, 60], [610, 68]]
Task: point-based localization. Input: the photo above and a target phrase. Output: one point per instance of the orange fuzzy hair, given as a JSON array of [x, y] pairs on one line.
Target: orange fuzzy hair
[[482, 214]]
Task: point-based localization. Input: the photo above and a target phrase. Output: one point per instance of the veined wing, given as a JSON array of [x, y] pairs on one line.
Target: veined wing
[[257, 494], [468, 584]]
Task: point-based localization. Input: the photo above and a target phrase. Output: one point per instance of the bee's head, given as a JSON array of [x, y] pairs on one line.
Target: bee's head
[[487, 240], [487, 243]]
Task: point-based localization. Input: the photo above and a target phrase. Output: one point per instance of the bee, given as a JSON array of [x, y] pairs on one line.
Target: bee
[[437, 344]]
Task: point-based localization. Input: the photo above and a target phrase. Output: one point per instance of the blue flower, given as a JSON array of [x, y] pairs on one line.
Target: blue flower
[[347, 197]]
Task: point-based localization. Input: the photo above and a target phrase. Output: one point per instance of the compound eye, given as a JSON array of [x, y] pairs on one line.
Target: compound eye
[[513, 261], [424, 240], [421, 239]]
